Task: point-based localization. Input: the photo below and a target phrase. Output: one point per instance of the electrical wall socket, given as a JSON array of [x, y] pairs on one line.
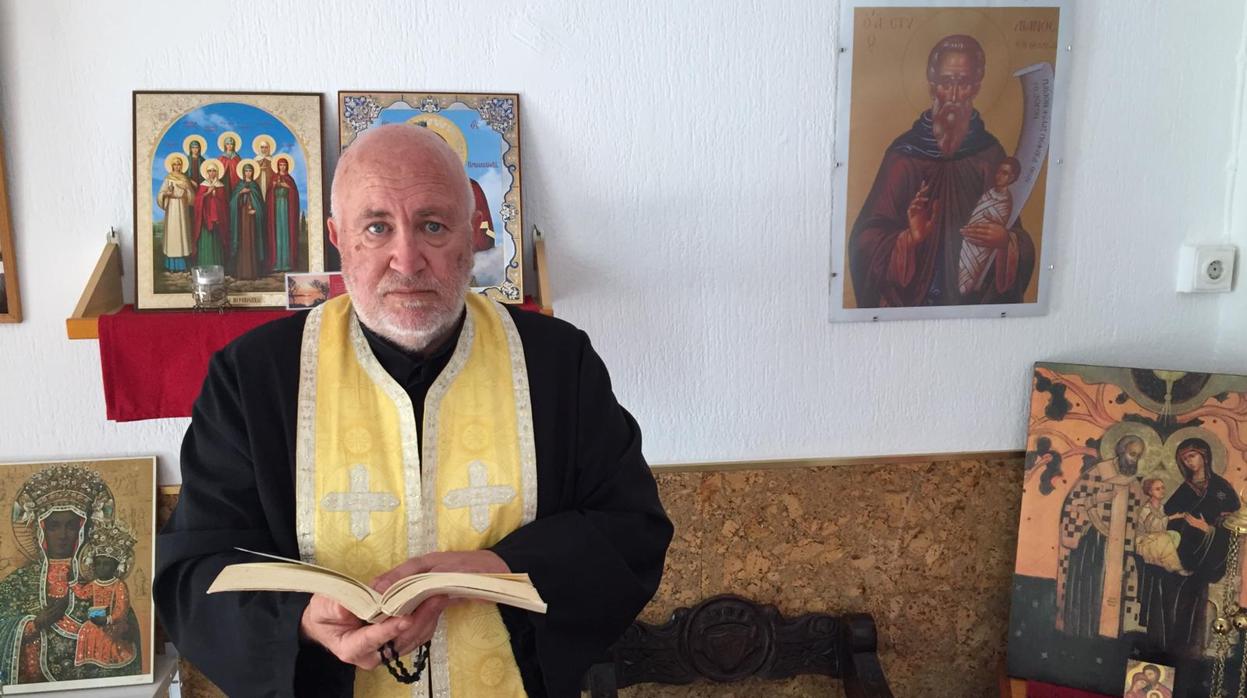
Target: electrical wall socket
[[1206, 268]]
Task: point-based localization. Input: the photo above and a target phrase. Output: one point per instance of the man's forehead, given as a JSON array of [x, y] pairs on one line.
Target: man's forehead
[[399, 186], [391, 197]]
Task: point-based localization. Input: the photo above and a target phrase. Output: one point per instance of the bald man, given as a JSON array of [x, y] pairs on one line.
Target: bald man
[[409, 427]]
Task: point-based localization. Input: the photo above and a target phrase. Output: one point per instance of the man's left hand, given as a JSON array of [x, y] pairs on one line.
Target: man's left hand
[[989, 235], [424, 618]]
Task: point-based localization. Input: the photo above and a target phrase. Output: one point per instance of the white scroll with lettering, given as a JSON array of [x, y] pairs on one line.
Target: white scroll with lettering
[[1035, 133]]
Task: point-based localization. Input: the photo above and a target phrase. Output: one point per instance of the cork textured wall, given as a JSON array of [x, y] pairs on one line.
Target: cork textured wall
[[925, 546]]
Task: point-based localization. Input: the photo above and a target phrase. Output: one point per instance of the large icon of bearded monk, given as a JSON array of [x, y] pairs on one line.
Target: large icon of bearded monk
[[905, 245]]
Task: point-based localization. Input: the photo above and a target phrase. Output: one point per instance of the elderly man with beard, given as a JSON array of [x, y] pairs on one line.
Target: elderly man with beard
[[1097, 592], [906, 242], [410, 427]]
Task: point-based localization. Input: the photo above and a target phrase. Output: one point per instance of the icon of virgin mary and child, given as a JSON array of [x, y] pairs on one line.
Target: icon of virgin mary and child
[[65, 615]]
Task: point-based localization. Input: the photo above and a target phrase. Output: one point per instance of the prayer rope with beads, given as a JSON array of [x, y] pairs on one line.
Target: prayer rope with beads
[[397, 669]]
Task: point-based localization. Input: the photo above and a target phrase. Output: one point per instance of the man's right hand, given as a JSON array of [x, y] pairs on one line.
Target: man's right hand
[[922, 214], [350, 639]]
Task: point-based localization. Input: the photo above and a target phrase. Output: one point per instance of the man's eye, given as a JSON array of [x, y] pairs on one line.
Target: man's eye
[[434, 227], [377, 228]]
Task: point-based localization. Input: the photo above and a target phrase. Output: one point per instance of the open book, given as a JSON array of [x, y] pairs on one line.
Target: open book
[[367, 603]]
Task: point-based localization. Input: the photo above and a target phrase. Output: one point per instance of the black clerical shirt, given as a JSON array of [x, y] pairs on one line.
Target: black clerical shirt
[[595, 550], [411, 370]]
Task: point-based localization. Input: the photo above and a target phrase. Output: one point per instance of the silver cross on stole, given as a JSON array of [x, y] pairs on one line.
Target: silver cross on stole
[[359, 502], [478, 496]]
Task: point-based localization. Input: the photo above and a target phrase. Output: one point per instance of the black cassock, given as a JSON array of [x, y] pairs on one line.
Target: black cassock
[[595, 550]]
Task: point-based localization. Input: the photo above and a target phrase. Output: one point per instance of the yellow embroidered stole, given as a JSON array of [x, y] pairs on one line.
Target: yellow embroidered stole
[[367, 499]]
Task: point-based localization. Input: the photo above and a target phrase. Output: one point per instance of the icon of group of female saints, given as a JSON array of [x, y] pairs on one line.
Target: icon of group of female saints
[[240, 213], [66, 613]]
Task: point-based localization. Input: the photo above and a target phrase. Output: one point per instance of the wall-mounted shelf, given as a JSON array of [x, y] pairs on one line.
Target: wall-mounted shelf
[[102, 294]]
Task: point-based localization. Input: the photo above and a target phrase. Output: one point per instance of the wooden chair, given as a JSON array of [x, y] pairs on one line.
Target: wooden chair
[[728, 638]]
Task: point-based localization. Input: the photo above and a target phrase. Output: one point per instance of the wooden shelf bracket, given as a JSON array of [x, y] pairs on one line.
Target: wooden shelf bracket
[[101, 296]]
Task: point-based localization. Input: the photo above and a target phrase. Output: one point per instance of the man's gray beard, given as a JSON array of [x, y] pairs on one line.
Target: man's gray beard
[[411, 339], [1127, 467]]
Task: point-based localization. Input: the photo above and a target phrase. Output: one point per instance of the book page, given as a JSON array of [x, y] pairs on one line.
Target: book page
[[360, 599], [510, 589], [314, 566], [289, 576]]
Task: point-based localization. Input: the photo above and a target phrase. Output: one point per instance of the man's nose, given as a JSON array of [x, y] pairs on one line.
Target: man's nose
[[407, 255]]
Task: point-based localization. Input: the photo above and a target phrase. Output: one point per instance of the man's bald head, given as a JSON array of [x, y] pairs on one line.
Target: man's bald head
[[398, 150], [402, 220]]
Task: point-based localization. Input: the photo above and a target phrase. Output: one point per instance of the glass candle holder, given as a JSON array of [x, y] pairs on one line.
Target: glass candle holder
[[208, 287]]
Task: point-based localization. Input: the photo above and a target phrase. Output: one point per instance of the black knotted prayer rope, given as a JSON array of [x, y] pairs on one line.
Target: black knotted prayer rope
[[394, 664]]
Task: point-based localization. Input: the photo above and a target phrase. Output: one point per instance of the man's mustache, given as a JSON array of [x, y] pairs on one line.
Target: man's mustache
[[408, 284]]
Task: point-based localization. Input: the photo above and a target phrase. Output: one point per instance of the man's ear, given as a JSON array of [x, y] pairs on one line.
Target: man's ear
[[333, 232]]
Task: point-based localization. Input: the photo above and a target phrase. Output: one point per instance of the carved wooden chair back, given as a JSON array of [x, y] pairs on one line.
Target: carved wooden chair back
[[728, 638]]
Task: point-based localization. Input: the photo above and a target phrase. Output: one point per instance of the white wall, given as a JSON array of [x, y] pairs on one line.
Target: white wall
[[677, 156], [1233, 336]]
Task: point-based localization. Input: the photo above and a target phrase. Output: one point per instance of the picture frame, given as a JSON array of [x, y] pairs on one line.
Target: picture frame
[[10, 295], [1145, 679], [306, 291], [980, 176], [195, 204], [484, 130], [1127, 472], [76, 608]]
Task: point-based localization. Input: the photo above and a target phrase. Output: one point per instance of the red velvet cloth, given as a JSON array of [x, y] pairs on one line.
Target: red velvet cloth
[[154, 364]]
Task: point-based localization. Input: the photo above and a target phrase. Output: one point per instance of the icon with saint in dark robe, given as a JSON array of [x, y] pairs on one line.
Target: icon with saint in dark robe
[[950, 116]]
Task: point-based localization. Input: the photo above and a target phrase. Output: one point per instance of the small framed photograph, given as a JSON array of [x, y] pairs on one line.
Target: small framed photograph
[[75, 590], [306, 291], [1148, 680], [228, 179], [484, 130], [10, 301]]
